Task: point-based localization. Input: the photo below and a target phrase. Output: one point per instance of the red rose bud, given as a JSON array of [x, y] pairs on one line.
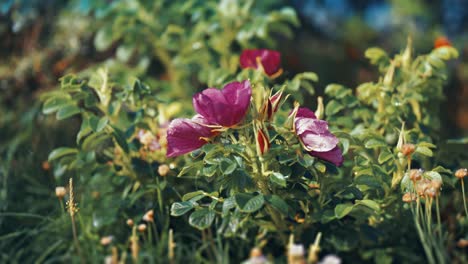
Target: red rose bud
[[442, 42], [263, 142], [270, 107]]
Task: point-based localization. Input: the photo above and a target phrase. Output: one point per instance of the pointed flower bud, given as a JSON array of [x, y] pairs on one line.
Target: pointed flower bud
[[265, 60], [271, 105], [262, 140], [320, 109]]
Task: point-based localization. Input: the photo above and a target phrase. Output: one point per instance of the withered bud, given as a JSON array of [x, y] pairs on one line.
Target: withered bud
[[149, 216], [106, 240], [46, 165], [314, 185], [408, 197], [163, 170], [416, 174], [256, 252], [130, 222], [408, 149], [141, 227], [461, 173], [60, 191], [462, 243]]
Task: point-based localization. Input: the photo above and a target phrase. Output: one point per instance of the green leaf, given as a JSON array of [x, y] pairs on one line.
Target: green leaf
[[278, 179], [333, 107], [432, 175], [60, 152], [249, 203], [55, 103], [67, 111], [370, 204], [342, 210], [320, 167], [120, 138], [278, 203], [375, 143], [180, 208], [102, 123], [384, 156], [190, 195], [424, 151], [228, 166], [202, 218]]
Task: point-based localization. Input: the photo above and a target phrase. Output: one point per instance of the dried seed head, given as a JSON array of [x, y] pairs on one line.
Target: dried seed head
[[408, 197], [130, 222], [461, 173], [431, 192], [163, 170], [142, 227], [436, 184], [299, 219], [422, 186], [149, 216], [416, 174], [60, 191], [408, 149], [106, 240]]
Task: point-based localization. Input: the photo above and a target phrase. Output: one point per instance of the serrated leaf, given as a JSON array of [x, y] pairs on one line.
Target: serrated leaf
[[202, 218], [180, 208]]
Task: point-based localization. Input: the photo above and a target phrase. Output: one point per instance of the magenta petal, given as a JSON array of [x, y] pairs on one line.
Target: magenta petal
[[305, 112], [185, 135], [334, 156], [314, 134], [269, 59], [225, 107]]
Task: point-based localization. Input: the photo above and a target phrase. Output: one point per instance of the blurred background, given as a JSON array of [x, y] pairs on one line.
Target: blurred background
[[43, 40]]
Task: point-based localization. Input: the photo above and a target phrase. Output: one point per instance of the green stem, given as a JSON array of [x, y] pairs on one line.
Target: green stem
[[464, 197], [422, 237]]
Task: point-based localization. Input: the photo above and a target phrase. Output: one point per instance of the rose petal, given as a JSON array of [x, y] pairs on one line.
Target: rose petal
[[185, 135], [334, 156], [225, 107], [314, 134], [305, 112], [270, 60]]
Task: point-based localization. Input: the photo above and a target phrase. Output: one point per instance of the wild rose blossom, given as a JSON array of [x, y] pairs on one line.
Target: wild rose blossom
[[186, 135], [268, 60], [316, 138], [216, 109], [226, 107]]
